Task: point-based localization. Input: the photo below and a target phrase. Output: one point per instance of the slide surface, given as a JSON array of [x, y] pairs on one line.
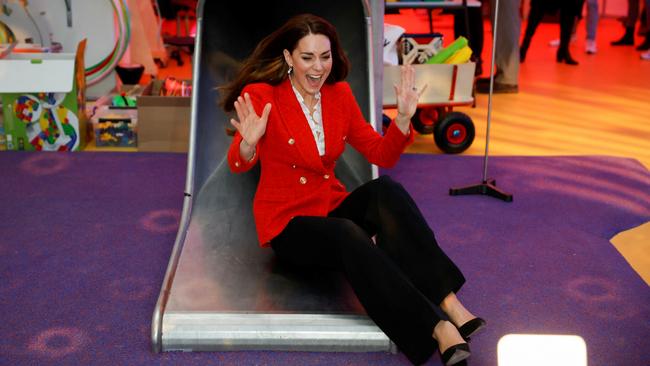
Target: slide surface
[[222, 291]]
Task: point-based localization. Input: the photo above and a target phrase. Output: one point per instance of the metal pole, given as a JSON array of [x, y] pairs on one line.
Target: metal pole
[[489, 113], [487, 187]]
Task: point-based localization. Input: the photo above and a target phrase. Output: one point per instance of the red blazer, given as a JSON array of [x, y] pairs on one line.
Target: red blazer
[[295, 180]]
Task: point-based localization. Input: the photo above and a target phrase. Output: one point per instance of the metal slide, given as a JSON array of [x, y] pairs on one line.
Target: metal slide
[[221, 290]]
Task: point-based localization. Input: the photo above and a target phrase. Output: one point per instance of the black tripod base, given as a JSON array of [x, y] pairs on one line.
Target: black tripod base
[[487, 188]]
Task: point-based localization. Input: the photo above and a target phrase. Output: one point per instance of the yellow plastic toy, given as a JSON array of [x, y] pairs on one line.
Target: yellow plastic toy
[[460, 57]]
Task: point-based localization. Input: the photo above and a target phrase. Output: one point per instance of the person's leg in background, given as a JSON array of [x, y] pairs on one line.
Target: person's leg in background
[[643, 24], [592, 26], [632, 15], [535, 16], [646, 54], [506, 79], [645, 46], [475, 36], [568, 15]]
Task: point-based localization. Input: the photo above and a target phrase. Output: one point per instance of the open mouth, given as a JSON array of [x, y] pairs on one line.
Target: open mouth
[[314, 81]]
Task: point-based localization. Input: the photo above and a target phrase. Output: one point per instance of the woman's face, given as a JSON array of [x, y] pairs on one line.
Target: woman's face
[[312, 63]]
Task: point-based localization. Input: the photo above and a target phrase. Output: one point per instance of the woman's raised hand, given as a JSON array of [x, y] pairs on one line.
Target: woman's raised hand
[[250, 126], [407, 95]]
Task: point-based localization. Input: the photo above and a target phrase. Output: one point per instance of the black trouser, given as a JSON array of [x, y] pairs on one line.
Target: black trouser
[[400, 281], [569, 10], [475, 23]]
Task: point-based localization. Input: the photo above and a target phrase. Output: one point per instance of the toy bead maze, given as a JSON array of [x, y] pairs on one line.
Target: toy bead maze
[[221, 290]]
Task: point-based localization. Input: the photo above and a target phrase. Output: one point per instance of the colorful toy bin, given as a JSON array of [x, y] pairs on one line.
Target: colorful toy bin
[[115, 126], [43, 98]]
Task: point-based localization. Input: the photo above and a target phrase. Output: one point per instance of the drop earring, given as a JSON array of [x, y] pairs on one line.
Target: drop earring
[[290, 69]]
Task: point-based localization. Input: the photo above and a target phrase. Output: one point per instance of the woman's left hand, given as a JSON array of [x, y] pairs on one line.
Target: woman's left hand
[[407, 95]]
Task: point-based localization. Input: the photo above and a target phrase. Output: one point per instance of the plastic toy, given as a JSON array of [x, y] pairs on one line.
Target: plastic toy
[[107, 137], [416, 53], [115, 130], [460, 57], [449, 51], [175, 88], [123, 100], [49, 125], [6, 34]]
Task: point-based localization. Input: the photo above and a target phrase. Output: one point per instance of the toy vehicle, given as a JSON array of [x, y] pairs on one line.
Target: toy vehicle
[[448, 86]]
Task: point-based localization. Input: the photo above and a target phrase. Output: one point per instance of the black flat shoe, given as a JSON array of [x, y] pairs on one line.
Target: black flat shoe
[[456, 355], [471, 327]]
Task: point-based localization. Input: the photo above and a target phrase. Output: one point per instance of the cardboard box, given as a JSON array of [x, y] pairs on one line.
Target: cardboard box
[[163, 122], [43, 98]]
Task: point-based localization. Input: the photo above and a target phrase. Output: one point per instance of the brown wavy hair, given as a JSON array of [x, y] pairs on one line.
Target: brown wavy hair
[[267, 64]]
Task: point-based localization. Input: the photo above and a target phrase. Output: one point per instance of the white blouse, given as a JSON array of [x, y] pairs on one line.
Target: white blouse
[[315, 120]]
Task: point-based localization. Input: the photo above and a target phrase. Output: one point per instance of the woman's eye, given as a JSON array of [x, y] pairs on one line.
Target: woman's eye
[[306, 58]]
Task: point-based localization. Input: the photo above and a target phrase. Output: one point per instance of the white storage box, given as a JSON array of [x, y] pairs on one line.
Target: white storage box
[[446, 84]]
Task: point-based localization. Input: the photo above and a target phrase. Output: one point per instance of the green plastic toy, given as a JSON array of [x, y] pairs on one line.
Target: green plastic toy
[[124, 101], [445, 53]]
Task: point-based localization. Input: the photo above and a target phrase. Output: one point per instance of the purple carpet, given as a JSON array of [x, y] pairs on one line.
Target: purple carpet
[[85, 239]]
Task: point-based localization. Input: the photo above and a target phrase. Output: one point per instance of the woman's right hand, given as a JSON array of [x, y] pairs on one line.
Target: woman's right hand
[[250, 126]]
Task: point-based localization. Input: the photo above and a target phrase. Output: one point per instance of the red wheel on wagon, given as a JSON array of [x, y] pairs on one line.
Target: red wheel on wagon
[[425, 119], [454, 133]]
